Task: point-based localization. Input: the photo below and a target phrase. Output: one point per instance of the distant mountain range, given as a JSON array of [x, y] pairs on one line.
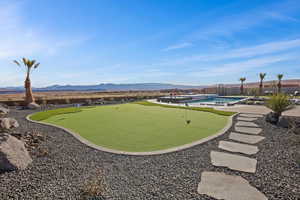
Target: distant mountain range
[[138, 86], [107, 87]]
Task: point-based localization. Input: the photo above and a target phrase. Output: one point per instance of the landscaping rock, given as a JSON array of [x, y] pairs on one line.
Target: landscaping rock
[[228, 187], [272, 118], [32, 139], [248, 119], [13, 154], [250, 139], [283, 122], [3, 110], [248, 130], [238, 147], [8, 123], [296, 131], [33, 106], [176, 175], [250, 115], [242, 123], [232, 161]]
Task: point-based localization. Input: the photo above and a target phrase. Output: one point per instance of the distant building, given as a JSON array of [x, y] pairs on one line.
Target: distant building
[[270, 87]]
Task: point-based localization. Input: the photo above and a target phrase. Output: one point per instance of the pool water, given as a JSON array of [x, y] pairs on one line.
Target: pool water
[[218, 100]]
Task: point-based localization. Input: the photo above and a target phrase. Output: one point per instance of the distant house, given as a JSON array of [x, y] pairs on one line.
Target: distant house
[[270, 87]]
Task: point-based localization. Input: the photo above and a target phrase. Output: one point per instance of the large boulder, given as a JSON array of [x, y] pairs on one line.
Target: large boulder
[[13, 154], [3, 110], [33, 106], [8, 123]]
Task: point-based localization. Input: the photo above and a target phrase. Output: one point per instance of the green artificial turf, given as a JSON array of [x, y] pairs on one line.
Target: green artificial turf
[[204, 109], [135, 127]]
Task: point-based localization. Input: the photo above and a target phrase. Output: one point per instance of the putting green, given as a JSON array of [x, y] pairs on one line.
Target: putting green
[[136, 128]]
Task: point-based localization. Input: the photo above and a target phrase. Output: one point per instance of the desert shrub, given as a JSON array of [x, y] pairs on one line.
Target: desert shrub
[[44, 102], [88, 102], [67, 101], [95, 187], [42, 152], [279, 103]]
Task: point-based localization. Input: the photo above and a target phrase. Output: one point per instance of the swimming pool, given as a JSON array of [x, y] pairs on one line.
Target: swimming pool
[[217, 100]]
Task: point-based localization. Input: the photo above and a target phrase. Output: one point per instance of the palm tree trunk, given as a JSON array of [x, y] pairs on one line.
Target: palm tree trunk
[[242, 88], [261, 88], [279, 87], [28, 91]]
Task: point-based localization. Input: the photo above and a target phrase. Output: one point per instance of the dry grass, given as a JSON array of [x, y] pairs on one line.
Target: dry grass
[[42, 152], [95, 187]]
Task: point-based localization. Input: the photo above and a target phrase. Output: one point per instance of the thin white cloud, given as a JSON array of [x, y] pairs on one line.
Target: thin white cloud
[[246, 52], [243, 66], [178, 46]]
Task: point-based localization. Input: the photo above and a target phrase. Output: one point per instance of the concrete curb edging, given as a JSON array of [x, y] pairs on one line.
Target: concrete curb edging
[[170, 150]]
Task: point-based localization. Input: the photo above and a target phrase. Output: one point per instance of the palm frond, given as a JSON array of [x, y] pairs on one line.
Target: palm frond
[[15, 61], [36, 65], [280, 76], [262, 75], [242, 79], [25, 61]]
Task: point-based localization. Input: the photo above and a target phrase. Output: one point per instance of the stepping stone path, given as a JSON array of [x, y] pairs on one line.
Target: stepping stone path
[[228, 187], [232, 161], [238, 147], [250, 139], [248, 119], [242, 123], [250, 115], [248, 130]]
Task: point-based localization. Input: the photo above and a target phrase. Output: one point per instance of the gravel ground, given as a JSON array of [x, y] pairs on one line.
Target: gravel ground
[[62, 173]]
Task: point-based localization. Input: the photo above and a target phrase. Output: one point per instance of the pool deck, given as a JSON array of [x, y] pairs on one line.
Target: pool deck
[[257, 109]]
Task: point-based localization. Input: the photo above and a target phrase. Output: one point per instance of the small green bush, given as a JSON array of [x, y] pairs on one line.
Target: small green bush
[[211, 110], [279, 103]]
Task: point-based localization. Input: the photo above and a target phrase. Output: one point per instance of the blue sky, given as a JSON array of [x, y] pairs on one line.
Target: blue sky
[[195, 42]]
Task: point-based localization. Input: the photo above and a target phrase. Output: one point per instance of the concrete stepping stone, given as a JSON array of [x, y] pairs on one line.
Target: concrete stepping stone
[[250, 139], [250, 115], [232, 161], [221, 186], [248, 119], [248, 130], [242, 123], [238, 147]]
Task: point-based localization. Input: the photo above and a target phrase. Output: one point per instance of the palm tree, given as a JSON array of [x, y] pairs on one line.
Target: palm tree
[[279, 76], [262, 77], [242, 84], [28, 64]]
